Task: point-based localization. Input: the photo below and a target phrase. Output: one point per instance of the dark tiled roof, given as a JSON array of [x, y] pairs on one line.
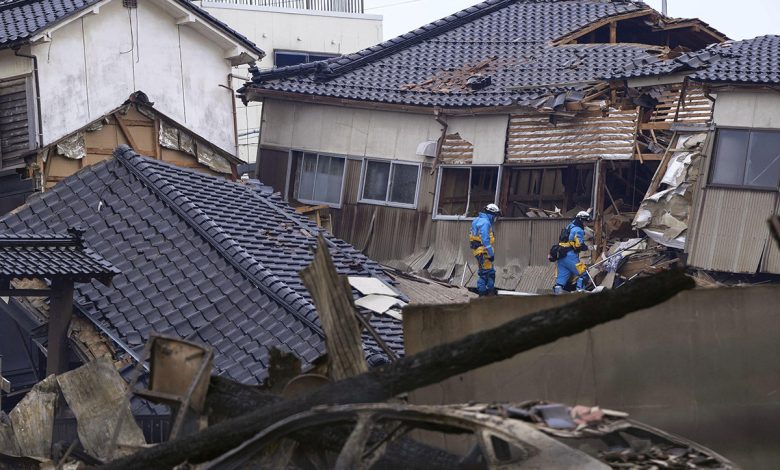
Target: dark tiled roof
[[201, 258], [753, 61], [508, 40], [22, 19], [51, 256]]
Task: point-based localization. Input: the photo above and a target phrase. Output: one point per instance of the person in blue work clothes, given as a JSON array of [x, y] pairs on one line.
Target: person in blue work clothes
[[569, 265], [481, 240]]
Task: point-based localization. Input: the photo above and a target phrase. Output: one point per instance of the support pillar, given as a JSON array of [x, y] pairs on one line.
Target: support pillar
[[60, 313]]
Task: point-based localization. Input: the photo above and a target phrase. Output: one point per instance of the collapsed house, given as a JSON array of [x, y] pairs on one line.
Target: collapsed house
[[201, 258], [504, 102], [66, 64], [719, 180]]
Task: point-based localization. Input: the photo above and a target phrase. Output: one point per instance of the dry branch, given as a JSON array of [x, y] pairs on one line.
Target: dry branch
[[426, 368]]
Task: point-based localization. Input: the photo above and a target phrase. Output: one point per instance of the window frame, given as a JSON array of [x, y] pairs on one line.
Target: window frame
[[714, 156], [296, 187], [439, 175], [552, 166], [361, 187]]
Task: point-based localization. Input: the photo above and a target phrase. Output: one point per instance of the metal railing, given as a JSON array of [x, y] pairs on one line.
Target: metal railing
[[343, 6]]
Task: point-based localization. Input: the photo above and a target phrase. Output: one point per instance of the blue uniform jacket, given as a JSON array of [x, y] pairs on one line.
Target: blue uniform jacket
[[482, 227], [577, 239]]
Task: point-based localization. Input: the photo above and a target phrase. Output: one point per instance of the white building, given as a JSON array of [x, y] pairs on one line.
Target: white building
[[292, 32], [66, 63]]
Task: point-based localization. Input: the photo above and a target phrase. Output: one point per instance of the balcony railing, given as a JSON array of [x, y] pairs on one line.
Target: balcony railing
[[343, 6]]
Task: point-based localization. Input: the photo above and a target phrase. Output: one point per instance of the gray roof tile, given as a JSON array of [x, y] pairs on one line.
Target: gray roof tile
[[512, 38], [190, 286]]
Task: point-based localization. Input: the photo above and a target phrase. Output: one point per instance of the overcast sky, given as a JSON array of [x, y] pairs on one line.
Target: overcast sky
[[739, 19]]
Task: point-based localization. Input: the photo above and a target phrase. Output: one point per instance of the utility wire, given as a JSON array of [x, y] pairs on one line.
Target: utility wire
[[393, 4]]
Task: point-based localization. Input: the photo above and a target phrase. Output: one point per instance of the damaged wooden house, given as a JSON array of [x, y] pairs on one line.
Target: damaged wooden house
[[196, 257], [505, 102], [68, 67], [719, 181]]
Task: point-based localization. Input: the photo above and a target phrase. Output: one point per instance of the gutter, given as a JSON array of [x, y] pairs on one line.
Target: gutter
[[37, 93]]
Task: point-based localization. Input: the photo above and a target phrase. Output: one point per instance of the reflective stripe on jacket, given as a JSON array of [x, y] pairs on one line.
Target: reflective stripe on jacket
[[481, 236]]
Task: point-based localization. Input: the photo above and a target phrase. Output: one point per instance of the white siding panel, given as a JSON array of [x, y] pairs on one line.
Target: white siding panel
[[735, 109], [278, 123], [486, 133], [14, 66]]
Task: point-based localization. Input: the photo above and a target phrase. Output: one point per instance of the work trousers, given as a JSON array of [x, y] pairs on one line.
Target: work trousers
[[487, 275], [567, 270]]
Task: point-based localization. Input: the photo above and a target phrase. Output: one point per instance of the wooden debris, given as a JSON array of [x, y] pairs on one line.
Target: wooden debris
[[97, 395], [332, 296], [426, 368], [33, 419]]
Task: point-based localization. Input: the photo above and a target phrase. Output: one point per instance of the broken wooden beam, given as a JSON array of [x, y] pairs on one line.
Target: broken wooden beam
[[426, 368], [774, 227]]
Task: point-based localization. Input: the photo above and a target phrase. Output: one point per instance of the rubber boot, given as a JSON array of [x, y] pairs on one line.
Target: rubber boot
[[557, 290]]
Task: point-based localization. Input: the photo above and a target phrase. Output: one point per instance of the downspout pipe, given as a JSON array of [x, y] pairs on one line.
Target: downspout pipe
[[230, 88], [37, 93], [445, 127]]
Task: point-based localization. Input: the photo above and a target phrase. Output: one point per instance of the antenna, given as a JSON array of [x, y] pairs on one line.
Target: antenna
[[664, 8]]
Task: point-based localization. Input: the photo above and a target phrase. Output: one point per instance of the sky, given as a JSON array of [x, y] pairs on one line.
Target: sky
[[738, 19]]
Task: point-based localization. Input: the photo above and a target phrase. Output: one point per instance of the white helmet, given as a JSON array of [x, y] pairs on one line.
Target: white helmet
[[492, 209], [583, 215]]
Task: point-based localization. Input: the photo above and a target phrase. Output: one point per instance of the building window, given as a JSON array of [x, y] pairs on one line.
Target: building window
[[320, 178], [287, 58], [390, 183], [563, 188], [746, 158], [464, 191]]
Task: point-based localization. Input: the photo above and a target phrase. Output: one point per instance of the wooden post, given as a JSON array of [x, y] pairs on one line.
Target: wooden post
[[613, 32], [60, 313], [598, 216]]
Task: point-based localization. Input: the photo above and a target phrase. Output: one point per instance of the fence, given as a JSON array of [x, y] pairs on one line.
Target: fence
[[343, 6]]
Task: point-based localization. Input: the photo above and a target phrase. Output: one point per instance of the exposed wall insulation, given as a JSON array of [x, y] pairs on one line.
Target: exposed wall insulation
[[535, 139]]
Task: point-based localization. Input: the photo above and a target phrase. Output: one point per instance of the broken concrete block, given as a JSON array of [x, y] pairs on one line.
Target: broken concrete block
[[33, 419]]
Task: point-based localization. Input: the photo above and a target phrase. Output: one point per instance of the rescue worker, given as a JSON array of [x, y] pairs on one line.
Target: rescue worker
[[569, 266], [481, 240]]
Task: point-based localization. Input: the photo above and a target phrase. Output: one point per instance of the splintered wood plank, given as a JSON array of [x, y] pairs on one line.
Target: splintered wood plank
[[332, 296]]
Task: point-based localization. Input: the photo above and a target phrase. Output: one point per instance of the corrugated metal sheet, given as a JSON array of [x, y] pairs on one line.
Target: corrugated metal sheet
[[15, 133], [537, 279], [544, 234], [534, 138], [456, 150], [732, 230], [771, 263]]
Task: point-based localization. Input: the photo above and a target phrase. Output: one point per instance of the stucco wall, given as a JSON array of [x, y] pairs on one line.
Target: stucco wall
[[94, 63], [705, 365]]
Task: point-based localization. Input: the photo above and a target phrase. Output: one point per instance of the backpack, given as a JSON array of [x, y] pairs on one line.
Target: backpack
[[557, 251]]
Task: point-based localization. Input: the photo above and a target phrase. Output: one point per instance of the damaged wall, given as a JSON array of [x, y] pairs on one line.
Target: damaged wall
[[95, 61], [346, 131], [713, 378], [725, 236]]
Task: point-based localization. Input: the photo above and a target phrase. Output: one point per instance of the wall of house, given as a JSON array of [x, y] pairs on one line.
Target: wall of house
[[12, 65], [94, 63], [703, 365], [289, 29], [725, 236]]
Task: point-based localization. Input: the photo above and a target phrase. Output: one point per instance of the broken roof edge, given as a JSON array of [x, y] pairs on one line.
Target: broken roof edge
[[132, 161], [383, 49]]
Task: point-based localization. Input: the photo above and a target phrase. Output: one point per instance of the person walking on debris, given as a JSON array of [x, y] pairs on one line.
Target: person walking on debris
[[571, 244], [481, 240]]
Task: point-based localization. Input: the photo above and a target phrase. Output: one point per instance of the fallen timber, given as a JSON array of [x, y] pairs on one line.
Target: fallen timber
[[426, 368]]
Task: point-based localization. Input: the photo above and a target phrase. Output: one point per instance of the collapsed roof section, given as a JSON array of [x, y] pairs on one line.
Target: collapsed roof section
[[500, 53], [23, 21], [201, 258], [751, 62]]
